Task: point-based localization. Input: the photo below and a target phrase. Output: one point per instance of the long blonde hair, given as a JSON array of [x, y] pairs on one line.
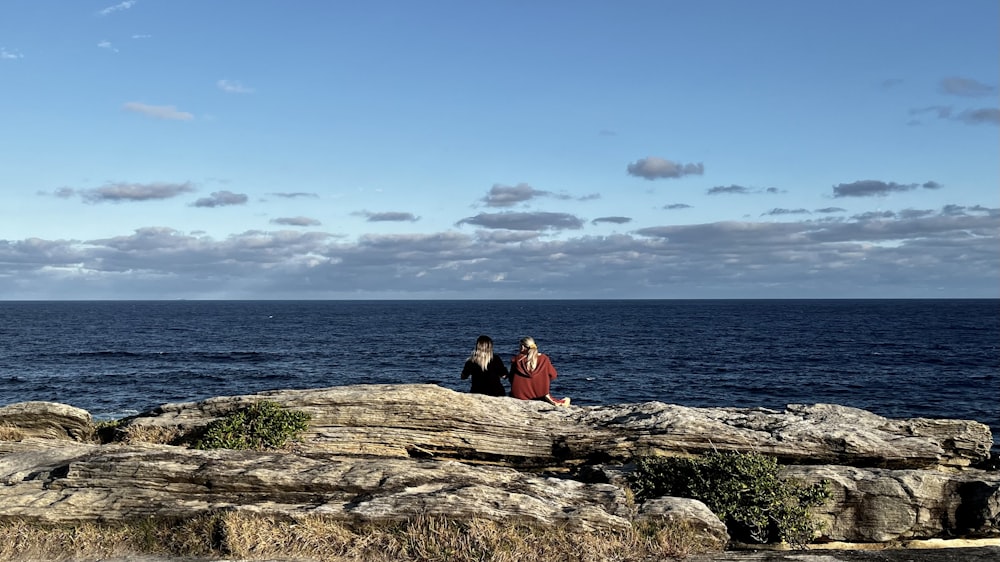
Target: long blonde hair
[[532, 353], [483, 353]]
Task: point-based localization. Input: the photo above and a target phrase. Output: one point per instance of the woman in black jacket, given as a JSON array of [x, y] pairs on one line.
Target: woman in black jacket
[[486, 369]]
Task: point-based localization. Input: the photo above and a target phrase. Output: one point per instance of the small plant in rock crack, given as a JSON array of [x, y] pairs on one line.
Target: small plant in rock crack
[[261, 425]]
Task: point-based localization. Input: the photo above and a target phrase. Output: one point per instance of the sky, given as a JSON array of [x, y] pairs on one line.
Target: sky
[[441, 149]]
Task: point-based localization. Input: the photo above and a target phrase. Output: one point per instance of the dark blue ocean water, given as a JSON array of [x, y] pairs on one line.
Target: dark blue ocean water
[[897, 358]]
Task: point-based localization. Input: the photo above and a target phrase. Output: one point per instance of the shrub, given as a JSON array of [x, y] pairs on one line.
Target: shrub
[[262, 425], [742, 489]]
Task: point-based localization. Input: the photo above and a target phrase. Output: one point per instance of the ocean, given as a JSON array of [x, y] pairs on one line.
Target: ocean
[[896, 358]]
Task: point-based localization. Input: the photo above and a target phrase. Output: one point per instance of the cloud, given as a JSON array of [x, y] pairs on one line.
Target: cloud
[[676, 206], [828, 210], [296, 221], [652, 168], [221, 199], [107, 46], [9, 55], [875, 227], [732, 189], [296, 195], [508, 196], [505, 236], [907, 255], [612, 220], [168, 112], [981, 116], [872, 188], [874, 216], [524, 221], [779, 212], [966, 87], [387, 216], [117, 7], [142, 36], [119, 192], [740, 190], [889, 83], [233, 87]]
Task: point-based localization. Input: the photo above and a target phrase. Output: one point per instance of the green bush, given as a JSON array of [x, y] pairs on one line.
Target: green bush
[[262, 425], [742, 489]]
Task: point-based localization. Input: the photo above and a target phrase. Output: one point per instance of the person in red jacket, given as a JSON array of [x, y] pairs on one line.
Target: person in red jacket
[[530, 373]]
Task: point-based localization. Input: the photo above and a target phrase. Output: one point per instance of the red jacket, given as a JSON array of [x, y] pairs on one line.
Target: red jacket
[[534, 384]]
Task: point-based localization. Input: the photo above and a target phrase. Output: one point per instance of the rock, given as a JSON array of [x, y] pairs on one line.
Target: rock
[[387, 452], [431, 421], [115, 482], [690, 513], [48, 420], [880, 505]]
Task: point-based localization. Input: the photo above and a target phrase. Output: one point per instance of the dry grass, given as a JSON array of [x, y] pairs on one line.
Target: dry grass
[[115, 431], [151, 434], [251, 536], [10, 432]]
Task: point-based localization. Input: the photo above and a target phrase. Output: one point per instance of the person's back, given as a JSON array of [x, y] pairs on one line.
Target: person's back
[[485, 368], [531, 373]]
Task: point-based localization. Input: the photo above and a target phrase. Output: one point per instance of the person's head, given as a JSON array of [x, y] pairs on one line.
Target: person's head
[[484, 344], [483, 352], [528, 344], [530, 350]]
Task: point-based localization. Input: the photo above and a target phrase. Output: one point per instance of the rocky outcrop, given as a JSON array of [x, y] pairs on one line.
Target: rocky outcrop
[[45, 481], [47, 420], [385, 452], [431, 421], [881, 505]]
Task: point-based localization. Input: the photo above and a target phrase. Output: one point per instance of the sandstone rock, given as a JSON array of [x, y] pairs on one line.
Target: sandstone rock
[[431, 421], [691, 513], [821, 433], [46, 419], [383, 452], [880, 505], [115, 482]]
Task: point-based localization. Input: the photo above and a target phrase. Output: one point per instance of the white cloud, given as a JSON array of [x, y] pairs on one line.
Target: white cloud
[[168, 112], [9, 55], [233, 87], [117, 7], [911, 254]]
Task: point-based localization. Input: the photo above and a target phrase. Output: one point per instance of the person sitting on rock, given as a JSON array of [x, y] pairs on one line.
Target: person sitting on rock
[[530, 374], [486, 369]]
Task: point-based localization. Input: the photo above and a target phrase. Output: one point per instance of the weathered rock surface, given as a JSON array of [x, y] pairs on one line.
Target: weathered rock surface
[[880, 505], [384, 452], [91, 482], [428, 420], [48, 420]]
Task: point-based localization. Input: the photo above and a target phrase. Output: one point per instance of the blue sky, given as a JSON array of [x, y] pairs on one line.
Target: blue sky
[[245, 149]]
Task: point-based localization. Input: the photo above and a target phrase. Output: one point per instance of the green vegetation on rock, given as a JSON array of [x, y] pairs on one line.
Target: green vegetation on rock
[[262, 425], [743, 489]]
